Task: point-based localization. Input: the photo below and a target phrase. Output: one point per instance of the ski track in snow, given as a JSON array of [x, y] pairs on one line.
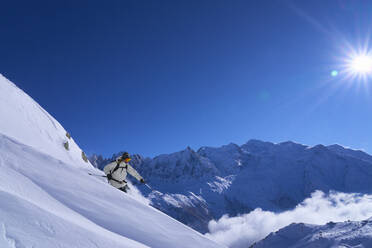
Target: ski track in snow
[[47, 115]]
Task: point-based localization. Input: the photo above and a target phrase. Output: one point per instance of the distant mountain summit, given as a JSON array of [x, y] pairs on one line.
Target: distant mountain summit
[[197, 186], [344, 234]]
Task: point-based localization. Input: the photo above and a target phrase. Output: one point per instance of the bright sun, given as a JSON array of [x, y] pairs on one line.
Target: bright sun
[[357, 65], [361, 64]]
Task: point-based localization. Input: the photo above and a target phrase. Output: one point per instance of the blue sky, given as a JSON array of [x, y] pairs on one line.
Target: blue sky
[[154, 77]]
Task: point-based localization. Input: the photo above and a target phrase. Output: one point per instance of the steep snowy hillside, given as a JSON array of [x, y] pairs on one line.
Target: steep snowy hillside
[[47, 198], [197, 186], [26, 121], [342, 235]]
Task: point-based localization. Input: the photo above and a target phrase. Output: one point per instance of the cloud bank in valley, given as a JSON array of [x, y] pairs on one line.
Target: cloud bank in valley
[[320, 208]]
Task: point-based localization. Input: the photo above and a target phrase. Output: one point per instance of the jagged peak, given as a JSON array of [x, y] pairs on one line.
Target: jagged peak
[[188, 148], [290, 143], [337, 146], [256, 142], [257, 146], [345, 148], [223, 147], [318, 148], [188, 151], [231, 145]]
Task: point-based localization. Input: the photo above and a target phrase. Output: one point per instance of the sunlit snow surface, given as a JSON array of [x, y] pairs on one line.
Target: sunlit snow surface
[[47, 198]]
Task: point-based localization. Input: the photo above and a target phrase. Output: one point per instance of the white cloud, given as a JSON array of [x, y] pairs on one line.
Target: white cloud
[[242, 231]]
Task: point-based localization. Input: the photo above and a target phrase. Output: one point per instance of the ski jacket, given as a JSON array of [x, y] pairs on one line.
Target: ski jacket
[[119, 175]]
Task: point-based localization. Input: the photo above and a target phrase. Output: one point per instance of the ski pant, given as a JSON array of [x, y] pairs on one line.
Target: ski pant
[[124, 189]]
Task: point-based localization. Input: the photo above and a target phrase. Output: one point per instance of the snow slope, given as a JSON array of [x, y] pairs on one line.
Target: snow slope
[[47, 198], [347, 234], [25, 120]]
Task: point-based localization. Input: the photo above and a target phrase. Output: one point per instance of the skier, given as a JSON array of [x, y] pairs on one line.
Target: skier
[[116, 172]]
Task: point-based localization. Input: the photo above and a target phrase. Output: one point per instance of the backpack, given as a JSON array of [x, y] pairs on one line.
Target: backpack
[[109, 176]]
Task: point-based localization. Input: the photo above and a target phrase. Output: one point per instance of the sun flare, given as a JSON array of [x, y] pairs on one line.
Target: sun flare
[[357, 65], [361, 64]]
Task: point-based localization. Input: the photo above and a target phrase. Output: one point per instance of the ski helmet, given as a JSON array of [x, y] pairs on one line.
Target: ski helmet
[[125, 156]]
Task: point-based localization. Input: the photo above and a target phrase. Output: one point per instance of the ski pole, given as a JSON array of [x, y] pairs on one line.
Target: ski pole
[[148, 186], [96, 175]]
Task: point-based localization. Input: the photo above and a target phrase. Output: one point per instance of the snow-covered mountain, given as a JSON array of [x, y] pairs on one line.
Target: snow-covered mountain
[[342, 235], [47, 198], [197, 186]]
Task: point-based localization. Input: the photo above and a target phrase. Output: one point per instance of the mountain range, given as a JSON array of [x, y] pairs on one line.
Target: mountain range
[[342, 235], [197, 186]]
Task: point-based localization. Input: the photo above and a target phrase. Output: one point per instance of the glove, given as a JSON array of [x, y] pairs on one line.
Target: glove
[[142, 181]]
